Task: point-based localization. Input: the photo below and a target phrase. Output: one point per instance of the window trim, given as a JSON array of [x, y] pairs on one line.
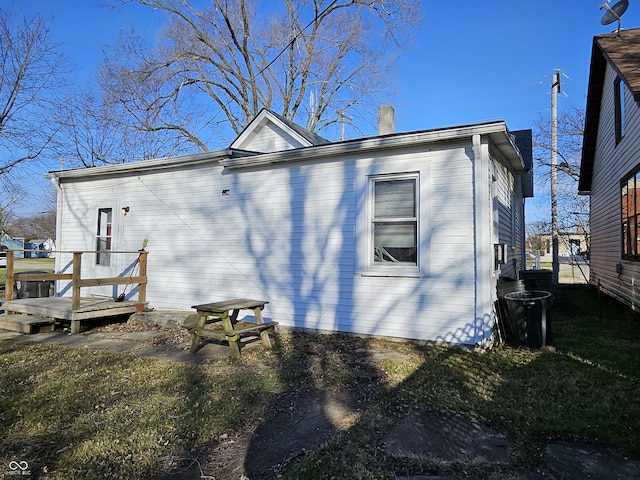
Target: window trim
[[104, 253], [619, 109], [372, 268], [625, 239]]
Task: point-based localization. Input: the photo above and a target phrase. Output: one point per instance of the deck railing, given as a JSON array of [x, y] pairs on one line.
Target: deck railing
[[77, 282]]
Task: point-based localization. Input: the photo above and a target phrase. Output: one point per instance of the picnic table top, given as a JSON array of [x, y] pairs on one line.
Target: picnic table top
[[226, 305]]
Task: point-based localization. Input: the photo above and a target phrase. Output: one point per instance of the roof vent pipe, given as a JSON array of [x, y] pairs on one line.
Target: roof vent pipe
[[386, 121]]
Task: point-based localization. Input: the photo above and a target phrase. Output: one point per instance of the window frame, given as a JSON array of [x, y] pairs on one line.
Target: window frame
[[403, 269], [104, 237], [630, 215], [619, 108]]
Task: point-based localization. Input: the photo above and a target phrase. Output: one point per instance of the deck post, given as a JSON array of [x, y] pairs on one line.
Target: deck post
[[8, 286], [75, 291], [142, 288]]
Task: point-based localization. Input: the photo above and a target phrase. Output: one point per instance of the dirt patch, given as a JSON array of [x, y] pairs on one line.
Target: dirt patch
[[449, 436], [582, 460], [302, 421], [297, 423]]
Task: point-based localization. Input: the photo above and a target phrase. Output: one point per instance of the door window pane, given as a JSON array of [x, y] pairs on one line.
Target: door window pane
[[103, 244]]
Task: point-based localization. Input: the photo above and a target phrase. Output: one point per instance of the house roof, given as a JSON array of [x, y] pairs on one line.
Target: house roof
[[142, 166], [311, 137], [496, 131], [302, 136], [509, 144], [622, 52]]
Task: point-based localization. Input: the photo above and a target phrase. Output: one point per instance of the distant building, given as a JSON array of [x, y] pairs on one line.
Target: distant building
[[569, 243], [15, 244]]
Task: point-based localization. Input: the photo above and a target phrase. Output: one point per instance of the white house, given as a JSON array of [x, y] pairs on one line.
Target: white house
[[393, 235], [610, 168]]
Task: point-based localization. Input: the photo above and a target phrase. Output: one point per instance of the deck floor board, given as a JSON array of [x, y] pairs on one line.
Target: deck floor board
[[59, 308]]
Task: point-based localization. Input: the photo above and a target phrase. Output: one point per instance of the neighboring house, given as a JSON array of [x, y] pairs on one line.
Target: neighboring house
[[10, 243], [569, 243], [43, 247], [393, 235], [610, 168]]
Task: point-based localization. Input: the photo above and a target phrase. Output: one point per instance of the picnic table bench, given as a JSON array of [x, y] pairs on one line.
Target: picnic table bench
[[227, 312]]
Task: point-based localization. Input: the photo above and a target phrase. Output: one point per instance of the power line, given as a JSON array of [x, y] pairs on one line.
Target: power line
[[280, 53]]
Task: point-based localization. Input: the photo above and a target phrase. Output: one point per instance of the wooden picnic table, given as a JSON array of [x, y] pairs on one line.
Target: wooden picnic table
[[227, 312]]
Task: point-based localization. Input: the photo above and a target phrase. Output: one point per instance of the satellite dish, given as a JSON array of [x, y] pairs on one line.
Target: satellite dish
[[614, 13]]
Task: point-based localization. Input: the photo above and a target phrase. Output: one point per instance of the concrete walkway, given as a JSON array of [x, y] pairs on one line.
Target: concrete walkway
[[151, 343]]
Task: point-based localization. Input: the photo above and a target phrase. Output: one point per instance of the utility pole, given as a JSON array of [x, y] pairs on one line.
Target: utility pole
[[555, 88]]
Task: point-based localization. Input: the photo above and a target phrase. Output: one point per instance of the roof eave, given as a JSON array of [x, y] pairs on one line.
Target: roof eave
[[597, 71], [497, 131], [143, 166]]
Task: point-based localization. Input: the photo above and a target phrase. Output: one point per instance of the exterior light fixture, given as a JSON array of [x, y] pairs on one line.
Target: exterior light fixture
[[125, 210]]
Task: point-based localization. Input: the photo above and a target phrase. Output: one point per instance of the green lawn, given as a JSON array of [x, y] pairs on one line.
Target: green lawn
[[22, 265], [82, 414]]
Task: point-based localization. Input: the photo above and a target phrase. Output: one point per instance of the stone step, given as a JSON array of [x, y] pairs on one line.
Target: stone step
[[26, 323]]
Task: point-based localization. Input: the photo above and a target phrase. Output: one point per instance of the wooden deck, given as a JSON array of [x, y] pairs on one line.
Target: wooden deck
[[26, 324], [74, 308], [58, 308]]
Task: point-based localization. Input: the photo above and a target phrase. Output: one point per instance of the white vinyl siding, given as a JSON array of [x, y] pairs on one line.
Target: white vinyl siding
[[298, 235], [508, 218], [288, 235]]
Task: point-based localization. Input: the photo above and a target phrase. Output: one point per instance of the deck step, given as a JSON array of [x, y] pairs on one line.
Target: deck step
[[26, 323]]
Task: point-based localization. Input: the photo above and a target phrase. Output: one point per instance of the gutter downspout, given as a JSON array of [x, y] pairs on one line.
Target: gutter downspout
[[482, 238], [59, 203]]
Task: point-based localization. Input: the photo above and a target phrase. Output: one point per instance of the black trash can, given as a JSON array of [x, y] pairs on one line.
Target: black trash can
[[529, 317], [539, 280], [33, 288]]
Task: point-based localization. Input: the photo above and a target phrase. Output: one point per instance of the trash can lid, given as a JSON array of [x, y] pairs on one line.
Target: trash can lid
[[528, 295]]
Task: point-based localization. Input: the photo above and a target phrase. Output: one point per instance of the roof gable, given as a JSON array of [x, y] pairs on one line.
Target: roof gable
[[269, 132], [622, 52]]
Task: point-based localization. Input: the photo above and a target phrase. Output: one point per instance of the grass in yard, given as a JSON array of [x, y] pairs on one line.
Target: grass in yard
[[44, 264], [81, 414]]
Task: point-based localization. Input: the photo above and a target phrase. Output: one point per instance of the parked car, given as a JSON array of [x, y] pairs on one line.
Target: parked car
[[3, 259]]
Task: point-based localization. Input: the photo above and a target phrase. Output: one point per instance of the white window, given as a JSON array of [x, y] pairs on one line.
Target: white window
[[103, 243], [393, 224]]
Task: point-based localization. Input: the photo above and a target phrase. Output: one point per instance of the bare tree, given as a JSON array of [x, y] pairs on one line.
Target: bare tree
[[538, 236], [29, 68], [573, 208], [8, 200], [39, 226], [317, 62], [570, 130], [94, 133]]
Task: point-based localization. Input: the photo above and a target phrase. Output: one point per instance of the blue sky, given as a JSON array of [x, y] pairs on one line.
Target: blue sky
[[472, 61]]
